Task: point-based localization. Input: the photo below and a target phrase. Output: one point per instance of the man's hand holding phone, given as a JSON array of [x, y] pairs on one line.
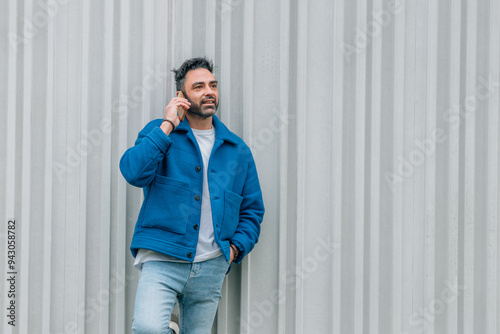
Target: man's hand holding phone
[[175, 112]]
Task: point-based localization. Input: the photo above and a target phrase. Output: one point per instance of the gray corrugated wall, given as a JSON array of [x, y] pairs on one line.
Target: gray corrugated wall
[[374, 125]]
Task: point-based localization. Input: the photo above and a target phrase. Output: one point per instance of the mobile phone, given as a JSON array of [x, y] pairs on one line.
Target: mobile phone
[[180, 110]]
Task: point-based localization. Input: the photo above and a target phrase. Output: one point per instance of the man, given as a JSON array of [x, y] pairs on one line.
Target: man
[[202, 206]]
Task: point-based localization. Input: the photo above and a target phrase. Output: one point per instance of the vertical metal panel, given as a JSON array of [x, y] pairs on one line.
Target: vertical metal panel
[[373, 216], [428, 208], [60, 168], [124, 140], [301, 99], [374, 125], [492, 193], [48, 181], [359, 174], [115, 237], [469, 208], [86, 241], [283, 116], [400, 113], [10, 190], [248, 85], [453, 151], [410, 133], [26, 157]]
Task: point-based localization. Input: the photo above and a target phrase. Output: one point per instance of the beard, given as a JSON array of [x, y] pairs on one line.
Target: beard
[[201, 111]]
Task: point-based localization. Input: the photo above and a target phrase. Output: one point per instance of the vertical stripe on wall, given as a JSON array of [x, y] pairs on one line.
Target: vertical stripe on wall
[[374, 125], [492, 194]]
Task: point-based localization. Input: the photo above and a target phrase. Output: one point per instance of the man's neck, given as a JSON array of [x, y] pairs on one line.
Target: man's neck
[[199, 123]]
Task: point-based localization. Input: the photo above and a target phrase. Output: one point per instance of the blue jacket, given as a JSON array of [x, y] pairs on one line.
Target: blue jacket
[[170, 171]]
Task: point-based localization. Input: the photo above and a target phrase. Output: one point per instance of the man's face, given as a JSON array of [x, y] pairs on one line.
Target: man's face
[[200, 88]]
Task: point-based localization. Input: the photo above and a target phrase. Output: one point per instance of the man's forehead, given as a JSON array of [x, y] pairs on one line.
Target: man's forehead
[[199, 75]]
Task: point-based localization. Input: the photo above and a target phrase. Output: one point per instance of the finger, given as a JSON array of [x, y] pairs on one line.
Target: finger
[[184, 102], [177, 98]]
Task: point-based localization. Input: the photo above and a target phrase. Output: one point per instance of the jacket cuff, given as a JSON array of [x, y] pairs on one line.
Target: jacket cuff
[[161, 140], [242, 250]]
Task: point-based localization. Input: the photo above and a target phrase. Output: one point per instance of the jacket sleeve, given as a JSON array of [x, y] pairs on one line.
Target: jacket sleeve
[[251, 213], [140, 162]]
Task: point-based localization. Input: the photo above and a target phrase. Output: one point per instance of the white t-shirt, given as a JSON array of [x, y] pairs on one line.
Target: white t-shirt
[[206, 248]]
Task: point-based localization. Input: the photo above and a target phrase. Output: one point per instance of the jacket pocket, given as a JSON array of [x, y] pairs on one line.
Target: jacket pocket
[[167, 205], [232, 203]]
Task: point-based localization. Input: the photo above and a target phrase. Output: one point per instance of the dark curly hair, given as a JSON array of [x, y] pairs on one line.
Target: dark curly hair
[[188, 65]]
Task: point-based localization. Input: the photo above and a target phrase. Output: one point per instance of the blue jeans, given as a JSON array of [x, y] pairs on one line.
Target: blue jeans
[[196, 286]]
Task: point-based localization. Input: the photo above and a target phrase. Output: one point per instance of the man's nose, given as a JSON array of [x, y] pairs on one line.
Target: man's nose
[[209, 92]]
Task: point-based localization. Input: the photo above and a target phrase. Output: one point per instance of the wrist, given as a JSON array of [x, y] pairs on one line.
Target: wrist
[[167, 126], [235, 250]]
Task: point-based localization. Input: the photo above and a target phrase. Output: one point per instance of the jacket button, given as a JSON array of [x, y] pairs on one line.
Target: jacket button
[[197, 198], [195, 226], [198, 168], [190, 255]]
